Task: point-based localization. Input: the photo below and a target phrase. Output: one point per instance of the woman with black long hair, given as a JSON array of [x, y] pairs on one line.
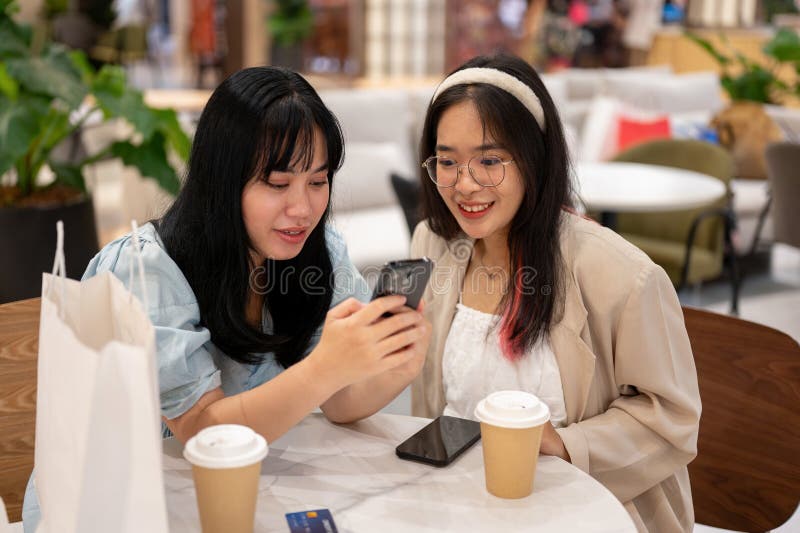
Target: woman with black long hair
[[529, 296], [258, 311]]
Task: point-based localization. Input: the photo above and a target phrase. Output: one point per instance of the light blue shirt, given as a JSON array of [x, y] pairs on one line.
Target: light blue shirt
[[189, 365]]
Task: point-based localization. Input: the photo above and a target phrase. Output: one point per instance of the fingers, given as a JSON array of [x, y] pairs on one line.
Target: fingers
[[345, 309], [398, 358], [401, 340], [373, 310], [400, 321]]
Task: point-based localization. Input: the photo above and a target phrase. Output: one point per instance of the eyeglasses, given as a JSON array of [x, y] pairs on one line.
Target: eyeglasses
[[486, 170]]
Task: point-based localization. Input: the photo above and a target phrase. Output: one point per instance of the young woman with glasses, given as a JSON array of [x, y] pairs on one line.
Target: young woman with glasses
[[541, 300]]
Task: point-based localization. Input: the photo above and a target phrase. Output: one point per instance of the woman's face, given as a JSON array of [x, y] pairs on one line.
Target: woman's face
[[280, 213], [480, 211]]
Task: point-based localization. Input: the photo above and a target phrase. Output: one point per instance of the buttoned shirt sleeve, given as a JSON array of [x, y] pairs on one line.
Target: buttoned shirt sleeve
[[186, 369]]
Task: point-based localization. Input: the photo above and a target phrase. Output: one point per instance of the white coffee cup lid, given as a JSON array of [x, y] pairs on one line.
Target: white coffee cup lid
[[225, 446], [512, 409]]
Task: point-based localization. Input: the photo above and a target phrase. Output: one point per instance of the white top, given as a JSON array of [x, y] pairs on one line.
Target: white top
[[352, 469], [473, 366], [635, 187]]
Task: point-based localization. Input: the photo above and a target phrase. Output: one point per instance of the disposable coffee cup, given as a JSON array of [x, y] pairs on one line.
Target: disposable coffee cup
[[226, 463], [511, 432]]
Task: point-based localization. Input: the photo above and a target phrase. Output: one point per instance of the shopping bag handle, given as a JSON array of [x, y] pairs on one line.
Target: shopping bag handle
[[140, 264], [59, 270]]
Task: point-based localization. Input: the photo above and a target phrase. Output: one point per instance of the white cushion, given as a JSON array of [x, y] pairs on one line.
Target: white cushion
[[598, 139], [556, 85], [374, 236], [375, 115], [696, 91], [586, 83], [363, 181]]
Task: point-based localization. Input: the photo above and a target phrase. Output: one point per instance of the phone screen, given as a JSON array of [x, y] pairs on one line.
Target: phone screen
[[441, 441]]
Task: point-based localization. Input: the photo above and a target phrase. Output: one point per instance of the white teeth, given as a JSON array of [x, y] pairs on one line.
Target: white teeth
[[475, 208], [291, 232]]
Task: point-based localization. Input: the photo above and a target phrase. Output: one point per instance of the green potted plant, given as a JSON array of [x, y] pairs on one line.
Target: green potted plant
[[48, 94], [289, 23], [744, 127]]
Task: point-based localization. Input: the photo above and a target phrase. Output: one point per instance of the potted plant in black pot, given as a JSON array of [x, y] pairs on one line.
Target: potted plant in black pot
[[48, 93], [744, 127]]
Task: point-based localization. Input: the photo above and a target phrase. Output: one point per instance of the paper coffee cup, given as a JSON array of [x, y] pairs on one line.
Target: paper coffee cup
[[226, 463], [511, 432]]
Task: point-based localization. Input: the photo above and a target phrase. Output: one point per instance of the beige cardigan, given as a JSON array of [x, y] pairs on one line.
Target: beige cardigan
[[627, 370]]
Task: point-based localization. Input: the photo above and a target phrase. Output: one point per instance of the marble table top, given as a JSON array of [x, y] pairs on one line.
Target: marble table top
[[635, 187], [353, 471]]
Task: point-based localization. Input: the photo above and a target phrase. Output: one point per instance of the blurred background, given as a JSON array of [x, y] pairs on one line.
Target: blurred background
[[623, 73]]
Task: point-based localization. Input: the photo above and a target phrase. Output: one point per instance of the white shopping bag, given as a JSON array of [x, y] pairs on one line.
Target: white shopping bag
[[98, 442]]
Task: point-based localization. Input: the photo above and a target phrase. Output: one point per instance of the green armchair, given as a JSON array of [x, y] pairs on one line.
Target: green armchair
[[691, 245]]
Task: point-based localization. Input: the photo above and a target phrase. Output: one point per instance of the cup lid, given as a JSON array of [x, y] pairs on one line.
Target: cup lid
[[512, 409], [225, 446]]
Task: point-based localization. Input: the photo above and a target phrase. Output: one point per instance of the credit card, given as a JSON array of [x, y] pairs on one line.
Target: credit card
[[317, 521]]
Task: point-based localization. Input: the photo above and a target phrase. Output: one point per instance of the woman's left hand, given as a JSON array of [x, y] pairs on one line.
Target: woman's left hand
[[552, 443]]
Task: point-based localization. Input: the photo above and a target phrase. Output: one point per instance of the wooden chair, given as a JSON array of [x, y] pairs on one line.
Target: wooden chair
[[746, 476], [19, 345]]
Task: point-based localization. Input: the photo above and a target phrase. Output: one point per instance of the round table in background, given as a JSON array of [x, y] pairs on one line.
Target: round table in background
[[638, 188]]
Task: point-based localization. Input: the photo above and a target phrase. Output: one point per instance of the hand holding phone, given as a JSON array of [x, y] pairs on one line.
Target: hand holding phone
[[407, 278], [440, 442]]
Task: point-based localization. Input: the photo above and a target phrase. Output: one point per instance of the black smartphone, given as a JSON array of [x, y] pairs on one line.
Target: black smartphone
[[408, 278], [441, 441]]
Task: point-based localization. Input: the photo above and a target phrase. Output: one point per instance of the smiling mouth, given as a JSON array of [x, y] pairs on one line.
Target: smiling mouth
[[477, 208]]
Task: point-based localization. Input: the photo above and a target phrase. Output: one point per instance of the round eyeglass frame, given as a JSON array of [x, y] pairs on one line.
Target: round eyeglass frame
[[470, 171]]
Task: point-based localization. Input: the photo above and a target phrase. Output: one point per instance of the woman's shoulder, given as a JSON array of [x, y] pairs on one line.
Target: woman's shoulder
[[167, 286], [598, 258], [429, 244], [588, 242]]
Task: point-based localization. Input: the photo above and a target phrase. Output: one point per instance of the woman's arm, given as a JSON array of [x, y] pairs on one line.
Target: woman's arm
[[644, 437], [353, 348]]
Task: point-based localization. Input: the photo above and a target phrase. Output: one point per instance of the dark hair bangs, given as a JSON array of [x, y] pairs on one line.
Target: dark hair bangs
[[287, 140]]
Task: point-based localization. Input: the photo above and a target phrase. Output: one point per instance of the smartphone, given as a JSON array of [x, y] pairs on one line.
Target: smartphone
[[441, 441], [408, 278]]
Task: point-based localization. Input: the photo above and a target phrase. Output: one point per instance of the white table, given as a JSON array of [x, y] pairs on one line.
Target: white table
[[634, 187], [353, 471]]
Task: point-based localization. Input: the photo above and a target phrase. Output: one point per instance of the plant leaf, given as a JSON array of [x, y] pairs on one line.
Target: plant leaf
[[8, 85], [41, 76], [15, 40], [784, 46], [82, 65], [706, 45], [116, 99], [168, 125], [69, 175], [19, 126], [150, 158]]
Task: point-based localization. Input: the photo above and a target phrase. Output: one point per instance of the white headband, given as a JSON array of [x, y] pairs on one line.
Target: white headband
[[499, 79]]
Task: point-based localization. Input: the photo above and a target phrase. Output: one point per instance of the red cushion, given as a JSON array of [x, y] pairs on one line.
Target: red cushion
[[631, 132]]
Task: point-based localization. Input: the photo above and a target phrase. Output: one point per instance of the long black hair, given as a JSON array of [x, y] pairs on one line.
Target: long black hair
[[529, 306], [258, 120]]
